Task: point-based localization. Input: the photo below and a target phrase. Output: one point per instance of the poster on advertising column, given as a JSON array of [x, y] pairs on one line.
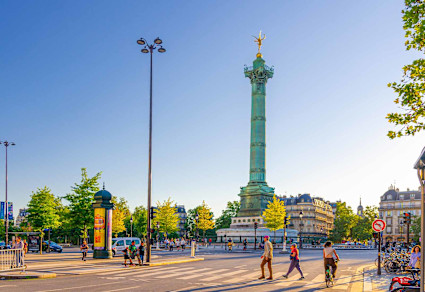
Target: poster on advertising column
[[2, 210], [99, 228], [10, 210]]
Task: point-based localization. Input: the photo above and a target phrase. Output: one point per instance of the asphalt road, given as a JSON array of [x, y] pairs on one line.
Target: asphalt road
[[220, 271]]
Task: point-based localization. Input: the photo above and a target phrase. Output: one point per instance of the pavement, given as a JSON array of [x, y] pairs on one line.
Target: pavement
[[220, 271]]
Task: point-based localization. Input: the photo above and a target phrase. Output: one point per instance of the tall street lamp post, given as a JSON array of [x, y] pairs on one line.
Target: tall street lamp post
[[197, 232], [420, 167], [301, 229], [6, 213], [285, 223], [157, 235], [131, 226], [149, 48]]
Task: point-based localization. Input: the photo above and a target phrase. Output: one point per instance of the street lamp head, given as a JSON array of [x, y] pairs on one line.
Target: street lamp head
[[301, 214], [131, 219], [161, 50], [13, 144], [158, 41], [145, 50], [196, 217], [141, 42]]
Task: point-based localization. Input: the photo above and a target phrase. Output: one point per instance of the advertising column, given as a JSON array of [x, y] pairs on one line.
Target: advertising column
[[99, 228]]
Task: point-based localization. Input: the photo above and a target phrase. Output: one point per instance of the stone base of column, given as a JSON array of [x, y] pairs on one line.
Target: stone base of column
[[102, 254], [254, 199]]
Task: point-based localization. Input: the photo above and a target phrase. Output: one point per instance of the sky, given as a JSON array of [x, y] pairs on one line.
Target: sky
[[74, 92]]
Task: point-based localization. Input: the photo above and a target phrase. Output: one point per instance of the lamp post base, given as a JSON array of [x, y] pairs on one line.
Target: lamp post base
[[102, 254]]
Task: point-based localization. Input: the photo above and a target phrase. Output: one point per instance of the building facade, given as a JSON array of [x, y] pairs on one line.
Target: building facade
[[392, 205], [22, 216], [181, 212], [317, 218]]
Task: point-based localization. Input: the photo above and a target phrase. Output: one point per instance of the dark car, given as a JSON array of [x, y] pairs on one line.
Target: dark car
[[53, 246]]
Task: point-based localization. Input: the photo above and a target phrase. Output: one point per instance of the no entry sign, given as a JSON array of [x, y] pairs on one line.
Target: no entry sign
[[378, 225]]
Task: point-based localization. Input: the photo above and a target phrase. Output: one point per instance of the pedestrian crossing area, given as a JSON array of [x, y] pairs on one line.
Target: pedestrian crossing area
[[212, 279]]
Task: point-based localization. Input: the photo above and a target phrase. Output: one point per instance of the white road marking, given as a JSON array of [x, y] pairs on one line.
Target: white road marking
[[179, 273], [223, 275], [342, 283], [127, 288], [291, 280], [173, 271], [78, 287], [367, 284]]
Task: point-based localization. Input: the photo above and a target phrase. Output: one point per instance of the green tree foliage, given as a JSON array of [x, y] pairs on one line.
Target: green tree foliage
[[225, 218], [415, 227], [362, 230], [119, 215], [410, 91], [166, 215], [344, 221], [43, 210], [140, 221], [205, 218], [274, 215], [190, 224], [81, 199]]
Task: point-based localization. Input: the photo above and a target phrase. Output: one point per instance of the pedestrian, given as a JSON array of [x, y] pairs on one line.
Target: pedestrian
[[328, 253], [127, 256], [230, 244], [178, 244], [267, 258], [295, 261], [25, 247], [133, 250], [209, 241], [171, 244], [84, 248], [19, 246], [415, 257], [141, 253], [245, 243], [183, 243]]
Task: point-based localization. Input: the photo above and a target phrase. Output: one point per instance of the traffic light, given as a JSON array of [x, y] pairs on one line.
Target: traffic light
[[255, 225], [375, 235], [152, 213], [407, 218], [285, 222]]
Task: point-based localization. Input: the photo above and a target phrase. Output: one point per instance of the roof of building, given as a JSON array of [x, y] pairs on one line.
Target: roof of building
[[394, 195]]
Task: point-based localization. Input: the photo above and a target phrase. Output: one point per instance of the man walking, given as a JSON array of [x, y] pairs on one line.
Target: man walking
[[267, 258]]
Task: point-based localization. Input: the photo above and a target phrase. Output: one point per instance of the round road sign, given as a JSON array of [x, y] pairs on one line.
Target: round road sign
[[378, 225]]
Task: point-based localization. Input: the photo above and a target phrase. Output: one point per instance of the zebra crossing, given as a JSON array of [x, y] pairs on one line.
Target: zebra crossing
[[232, 276]]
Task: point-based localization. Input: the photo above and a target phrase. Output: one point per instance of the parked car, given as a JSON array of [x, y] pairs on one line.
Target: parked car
[[120, 243], [53, 246]]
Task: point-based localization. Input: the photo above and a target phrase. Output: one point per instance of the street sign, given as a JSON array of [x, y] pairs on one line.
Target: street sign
[[378, 225]]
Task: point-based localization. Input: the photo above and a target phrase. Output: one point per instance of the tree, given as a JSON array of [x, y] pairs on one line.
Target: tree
[[274, 215], [81, 199], [190, 224], [166, 215], [43, 210], [225, 218], [410, 91], [344, 221], [362, 230], [205, 218], [415, 227], [119, 214], [140, 221]]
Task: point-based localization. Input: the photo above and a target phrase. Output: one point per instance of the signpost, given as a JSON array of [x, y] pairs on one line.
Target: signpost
[[378, 225]]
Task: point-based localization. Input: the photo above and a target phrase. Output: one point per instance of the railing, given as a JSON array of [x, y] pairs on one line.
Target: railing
[[12, 259]]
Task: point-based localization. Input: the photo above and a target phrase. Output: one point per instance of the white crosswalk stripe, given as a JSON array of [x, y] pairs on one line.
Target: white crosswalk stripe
[[290, 280], [343, 282], [213, 278], [173, 271], [179, 273]]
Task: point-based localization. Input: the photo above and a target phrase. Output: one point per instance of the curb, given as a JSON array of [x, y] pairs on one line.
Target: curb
[[175, 262], [27, 276]]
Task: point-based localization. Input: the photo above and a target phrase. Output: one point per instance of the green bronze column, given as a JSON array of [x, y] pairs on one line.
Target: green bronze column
[[256, 195]]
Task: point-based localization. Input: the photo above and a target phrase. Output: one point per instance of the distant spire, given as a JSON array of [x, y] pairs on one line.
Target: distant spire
[[103, 185], [360, 200]]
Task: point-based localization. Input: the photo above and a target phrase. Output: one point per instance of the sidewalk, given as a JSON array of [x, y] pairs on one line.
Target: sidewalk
[[375, 283]]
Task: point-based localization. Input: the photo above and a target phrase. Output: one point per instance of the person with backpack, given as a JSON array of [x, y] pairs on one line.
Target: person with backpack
[[126, 252]]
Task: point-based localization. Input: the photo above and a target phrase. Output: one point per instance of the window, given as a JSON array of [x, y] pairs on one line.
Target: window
[[388, 230], [249, 220], [389, 197], [120, 243], [401, 197], [239, 221], [412, 212], [243, 220], [389, 213], [128, 241], [412, 196]]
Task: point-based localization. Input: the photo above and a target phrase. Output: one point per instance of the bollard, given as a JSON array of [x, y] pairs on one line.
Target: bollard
[[192, 249]]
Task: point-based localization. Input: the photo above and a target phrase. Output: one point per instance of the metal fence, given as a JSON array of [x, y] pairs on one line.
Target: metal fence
[[12, 259]]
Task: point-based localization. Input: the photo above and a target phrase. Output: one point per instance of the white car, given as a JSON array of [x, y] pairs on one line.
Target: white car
[[121, 243]]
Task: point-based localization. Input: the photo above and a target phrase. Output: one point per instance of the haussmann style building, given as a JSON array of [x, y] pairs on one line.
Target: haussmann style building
[[393, 204]]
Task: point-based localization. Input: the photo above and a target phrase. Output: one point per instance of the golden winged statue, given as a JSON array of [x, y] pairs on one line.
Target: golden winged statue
[[259, 42]]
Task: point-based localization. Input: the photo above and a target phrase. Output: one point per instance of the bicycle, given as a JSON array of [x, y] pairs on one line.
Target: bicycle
[[328, 275]]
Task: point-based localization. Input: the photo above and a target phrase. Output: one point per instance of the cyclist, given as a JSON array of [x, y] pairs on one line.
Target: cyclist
[[230, 244], [328, 252]]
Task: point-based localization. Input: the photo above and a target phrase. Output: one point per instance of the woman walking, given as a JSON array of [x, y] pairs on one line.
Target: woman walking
[[415, 257], [295, 261], [84, 248]]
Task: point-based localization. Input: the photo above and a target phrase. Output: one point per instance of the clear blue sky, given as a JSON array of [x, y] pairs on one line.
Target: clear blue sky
[[74, 92]]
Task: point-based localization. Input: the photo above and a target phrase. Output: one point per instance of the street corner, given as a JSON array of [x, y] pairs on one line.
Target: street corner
[[26, 275]]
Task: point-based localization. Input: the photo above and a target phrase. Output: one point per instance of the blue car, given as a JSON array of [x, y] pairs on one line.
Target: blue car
[[53, 246]]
